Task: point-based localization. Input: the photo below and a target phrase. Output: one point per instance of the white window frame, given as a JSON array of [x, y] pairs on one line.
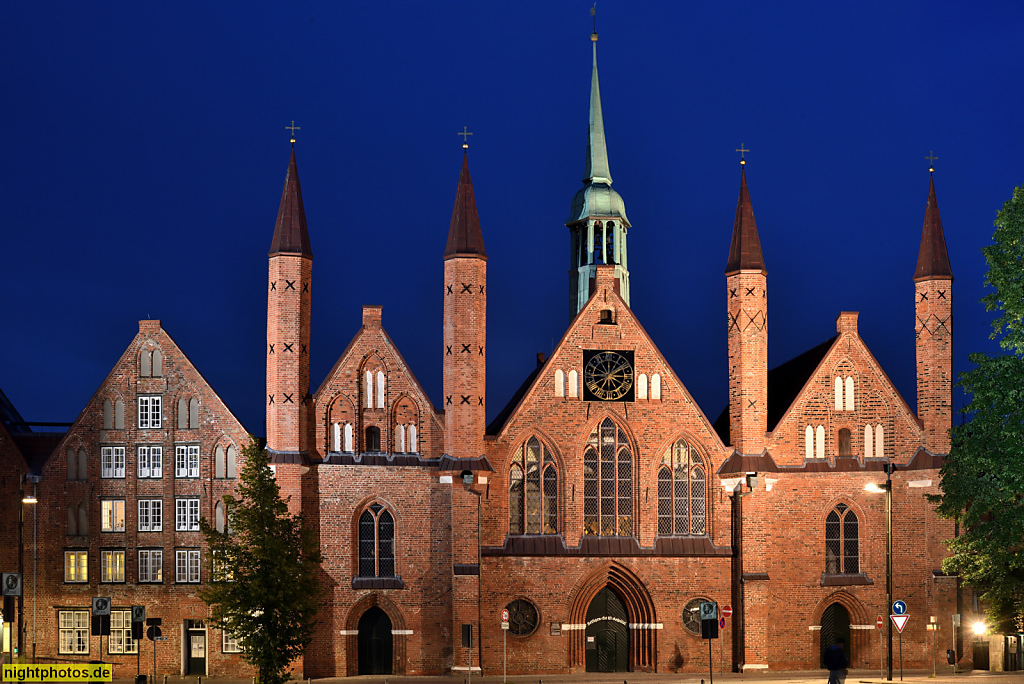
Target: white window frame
[[76, 567], [151, 515], [120, 640], [186, 515], [151, 566], [229, 643], [186, 460], [73, 632], [186, 566], [112, 571], [112, 515], [151, 461], [112, 462], [150, 412]]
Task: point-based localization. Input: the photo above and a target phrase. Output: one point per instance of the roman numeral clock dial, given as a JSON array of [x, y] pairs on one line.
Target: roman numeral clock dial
[[608, 376]]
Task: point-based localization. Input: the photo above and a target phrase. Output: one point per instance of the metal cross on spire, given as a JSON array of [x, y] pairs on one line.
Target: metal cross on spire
[[931, 161], [465, 133], [743, 152], [593, 13], [293, 128]]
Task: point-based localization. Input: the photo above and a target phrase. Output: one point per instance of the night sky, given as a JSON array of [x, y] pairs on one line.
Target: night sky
[[144, 151]]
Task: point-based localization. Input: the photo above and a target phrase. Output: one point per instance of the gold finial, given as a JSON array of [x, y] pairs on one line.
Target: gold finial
[[743, 152], [293, 128], [593, 13], [465, 137], [931, 161]]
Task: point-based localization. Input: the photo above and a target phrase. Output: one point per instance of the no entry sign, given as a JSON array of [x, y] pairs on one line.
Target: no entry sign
[[880, 622], [726, 611]]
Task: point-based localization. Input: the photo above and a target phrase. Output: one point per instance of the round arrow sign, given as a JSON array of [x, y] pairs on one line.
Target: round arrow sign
[[899, 608]]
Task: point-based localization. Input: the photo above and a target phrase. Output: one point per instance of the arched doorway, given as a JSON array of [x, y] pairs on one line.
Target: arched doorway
[[607, 633], [376, 652], [835, 624]]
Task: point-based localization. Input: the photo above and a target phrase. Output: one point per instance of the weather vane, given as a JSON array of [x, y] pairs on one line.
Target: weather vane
[[593, 13], [465, 137], [293, 128], [931, 161], [743, 152]]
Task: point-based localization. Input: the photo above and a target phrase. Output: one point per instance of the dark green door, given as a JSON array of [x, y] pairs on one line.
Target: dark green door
[[196, 645], [375, 646], [607, 634], [835, 624]]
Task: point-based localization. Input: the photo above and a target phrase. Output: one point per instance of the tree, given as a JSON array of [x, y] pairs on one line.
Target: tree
[[982, 480], [263, 572]]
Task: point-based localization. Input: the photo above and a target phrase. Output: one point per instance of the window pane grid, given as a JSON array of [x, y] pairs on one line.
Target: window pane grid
[[73, 631], [608, 483]]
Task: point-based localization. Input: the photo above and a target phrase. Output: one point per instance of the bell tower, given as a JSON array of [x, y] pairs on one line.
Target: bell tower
[[597, 224]]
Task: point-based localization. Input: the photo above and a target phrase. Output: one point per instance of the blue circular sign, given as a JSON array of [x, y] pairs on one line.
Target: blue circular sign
[[899, 608]]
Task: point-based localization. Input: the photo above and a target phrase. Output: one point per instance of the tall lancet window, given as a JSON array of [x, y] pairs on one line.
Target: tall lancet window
[[608, 482], [533, 490], [682, 497]]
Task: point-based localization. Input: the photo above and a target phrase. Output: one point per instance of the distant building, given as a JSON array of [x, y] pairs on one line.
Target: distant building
[[600, 507]]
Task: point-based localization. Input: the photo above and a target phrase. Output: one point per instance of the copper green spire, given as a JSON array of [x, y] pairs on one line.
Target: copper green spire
[[597, 151]]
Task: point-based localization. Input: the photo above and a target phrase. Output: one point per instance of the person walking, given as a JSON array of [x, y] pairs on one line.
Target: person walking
[[836, 661]]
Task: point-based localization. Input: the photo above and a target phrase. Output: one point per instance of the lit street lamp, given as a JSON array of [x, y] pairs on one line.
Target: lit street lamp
[[889, 469]]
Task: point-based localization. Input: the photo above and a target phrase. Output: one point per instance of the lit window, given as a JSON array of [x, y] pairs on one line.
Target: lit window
[[186, 566], [533, 490], [682, 496], [186, 460], [186, 515], [151, 565], [842, 546], [608, 482], [149, 412], [112, 462], [111, 566], [151, 461], [231, 643], [73, 632], [151, 515], [112, 519], [376, 542], [120, 640], [76, 566]]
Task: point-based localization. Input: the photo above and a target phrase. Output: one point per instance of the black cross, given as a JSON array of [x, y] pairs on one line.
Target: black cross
[[305, 287], [924, 296], [448, 400], [288, 398], [449, 288], [480, 401], [467, 288], [289, 284], [481, 289], [449, 352], [273, 286], [942, 322], [733, 293], [288, 346], [733, 322], [271, 398], [465, 400], [751, 403], [302, 348], [271, 349], [481, 351], [465, 349], [942, 294], [750, 291]]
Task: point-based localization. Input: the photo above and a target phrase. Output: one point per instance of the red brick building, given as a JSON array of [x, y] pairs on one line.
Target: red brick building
[[600, 507]]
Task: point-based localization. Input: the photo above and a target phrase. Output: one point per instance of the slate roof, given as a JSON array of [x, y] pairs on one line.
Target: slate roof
[[932, 258], [290, 233], [464, 235]]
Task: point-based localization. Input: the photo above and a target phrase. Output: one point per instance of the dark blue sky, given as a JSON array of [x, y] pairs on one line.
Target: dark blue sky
[[144, 151]]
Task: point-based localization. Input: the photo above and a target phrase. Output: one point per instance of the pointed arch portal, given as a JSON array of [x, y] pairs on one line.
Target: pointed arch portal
[[613, 606], [376, 650]]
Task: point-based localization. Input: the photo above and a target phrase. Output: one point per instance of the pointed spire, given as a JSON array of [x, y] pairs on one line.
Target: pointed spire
[[290, 233], [932, 259], [596, 170], [745, 251], [464, 235]]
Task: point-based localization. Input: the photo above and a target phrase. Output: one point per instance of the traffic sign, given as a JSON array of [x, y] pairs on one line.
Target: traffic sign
[[154, 632], [504, 625], [504, 614], [900, 621], [726, 611], [721, 623], [880, 622], [708, 610], [899, 608]]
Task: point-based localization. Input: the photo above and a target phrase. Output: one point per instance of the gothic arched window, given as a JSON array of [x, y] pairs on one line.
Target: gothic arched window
[[682, 493], [376, 542], [533, 490], [372, 438], [842, 541], [608, 482]]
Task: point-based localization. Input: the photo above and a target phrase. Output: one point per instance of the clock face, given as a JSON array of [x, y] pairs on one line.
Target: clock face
[[608, 376]]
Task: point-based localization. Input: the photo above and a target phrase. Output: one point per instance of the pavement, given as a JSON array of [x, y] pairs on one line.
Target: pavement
[[769, 677]]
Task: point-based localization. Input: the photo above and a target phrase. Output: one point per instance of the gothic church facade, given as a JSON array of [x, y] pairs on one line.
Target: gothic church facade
[[600, 507]]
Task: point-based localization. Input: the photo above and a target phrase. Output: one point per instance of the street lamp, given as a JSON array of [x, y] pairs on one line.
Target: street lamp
[[889, 469], [32, 499], [979, 628]]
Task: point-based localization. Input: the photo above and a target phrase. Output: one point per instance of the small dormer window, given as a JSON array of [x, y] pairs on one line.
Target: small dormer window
[[607, 317]]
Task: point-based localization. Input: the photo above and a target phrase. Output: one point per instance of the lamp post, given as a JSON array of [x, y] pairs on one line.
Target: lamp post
[[33, 499], [889, 469]]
